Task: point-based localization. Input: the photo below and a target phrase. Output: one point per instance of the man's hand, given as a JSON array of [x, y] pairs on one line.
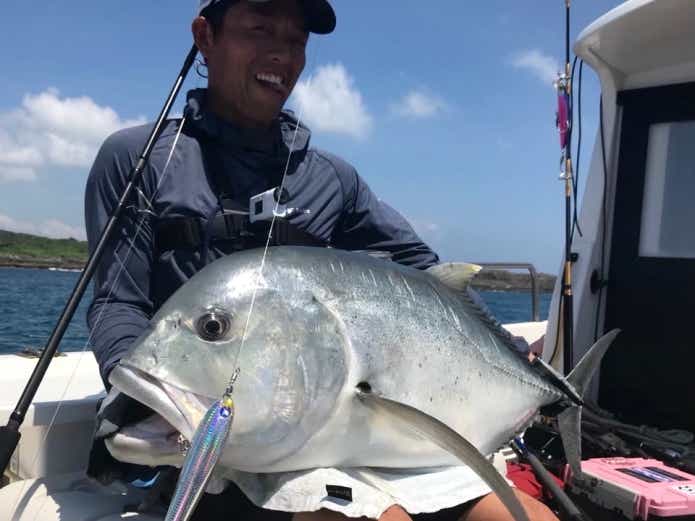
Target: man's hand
[[116, 411]]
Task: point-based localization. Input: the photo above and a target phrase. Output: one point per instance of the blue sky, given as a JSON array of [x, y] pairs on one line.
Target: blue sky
[[445, 107]]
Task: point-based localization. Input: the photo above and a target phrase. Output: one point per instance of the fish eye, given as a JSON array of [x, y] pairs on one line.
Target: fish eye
[[213, 325]]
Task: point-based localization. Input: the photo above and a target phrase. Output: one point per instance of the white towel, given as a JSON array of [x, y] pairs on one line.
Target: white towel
[[358, 492]]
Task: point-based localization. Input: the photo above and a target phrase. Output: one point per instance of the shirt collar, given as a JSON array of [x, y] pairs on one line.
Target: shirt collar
[[276, 141]]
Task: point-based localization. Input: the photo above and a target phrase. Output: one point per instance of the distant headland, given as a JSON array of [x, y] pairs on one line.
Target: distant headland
[[21, 250]]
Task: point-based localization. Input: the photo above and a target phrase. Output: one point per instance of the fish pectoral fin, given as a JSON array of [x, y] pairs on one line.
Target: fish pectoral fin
[[455, 275], [440, 434]]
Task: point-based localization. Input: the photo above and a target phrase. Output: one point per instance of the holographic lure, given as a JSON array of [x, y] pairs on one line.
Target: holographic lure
[[202, 456]]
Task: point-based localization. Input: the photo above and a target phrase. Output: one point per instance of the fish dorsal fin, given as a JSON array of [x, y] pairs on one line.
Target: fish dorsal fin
[[448, 439], [581, 375], [455, 275]]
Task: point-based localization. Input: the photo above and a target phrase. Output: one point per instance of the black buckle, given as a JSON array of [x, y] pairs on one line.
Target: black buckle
[[176, 233]]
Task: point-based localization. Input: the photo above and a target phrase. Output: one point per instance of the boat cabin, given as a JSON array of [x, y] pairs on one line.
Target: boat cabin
[[635, 265]]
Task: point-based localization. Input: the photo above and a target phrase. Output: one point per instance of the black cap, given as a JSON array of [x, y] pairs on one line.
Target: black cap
[[319, 15]]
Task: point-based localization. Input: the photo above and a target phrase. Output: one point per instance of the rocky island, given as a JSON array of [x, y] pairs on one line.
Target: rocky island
[[21, 250]]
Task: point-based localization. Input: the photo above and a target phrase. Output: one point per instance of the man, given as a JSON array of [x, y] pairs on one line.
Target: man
[[233, 143]]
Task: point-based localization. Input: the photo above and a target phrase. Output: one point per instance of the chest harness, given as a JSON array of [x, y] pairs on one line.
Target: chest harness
[[235, 225]]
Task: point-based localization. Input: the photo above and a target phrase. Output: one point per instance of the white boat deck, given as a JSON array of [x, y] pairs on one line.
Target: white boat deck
[[67, 399], [72, 378]]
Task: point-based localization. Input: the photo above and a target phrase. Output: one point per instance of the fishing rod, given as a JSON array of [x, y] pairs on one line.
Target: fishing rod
[[9, 434], [564, 125]]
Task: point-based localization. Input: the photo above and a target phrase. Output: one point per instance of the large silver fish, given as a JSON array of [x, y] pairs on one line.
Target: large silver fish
[[331, 347]]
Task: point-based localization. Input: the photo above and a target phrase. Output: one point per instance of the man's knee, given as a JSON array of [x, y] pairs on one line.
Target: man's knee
[[319, 515], [490, 508], [393, 513]]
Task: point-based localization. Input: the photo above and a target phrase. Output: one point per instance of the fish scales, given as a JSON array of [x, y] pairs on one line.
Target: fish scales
[[323, 322]]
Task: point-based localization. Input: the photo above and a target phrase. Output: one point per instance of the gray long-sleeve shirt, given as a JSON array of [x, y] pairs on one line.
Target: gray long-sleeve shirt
[[135, 278]]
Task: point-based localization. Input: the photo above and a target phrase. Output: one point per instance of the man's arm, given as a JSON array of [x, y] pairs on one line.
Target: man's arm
[[371, 224], [121, 306]]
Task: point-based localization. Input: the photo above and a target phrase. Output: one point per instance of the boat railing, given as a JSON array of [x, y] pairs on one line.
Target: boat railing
[[535, 311]]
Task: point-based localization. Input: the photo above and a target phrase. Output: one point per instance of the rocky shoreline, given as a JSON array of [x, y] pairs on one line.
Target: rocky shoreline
[[502, 280], [486, 280], [15, 261], [19, 250], [22, 250]]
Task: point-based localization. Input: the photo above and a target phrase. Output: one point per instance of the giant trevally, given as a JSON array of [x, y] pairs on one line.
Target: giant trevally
[[331, 346]]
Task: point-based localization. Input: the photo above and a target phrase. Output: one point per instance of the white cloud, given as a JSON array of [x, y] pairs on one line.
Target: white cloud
[[543, 66], [329, 102], [47, 130], [10, 174], [58, 229], [419, 104], [14, 153], [51, 228]]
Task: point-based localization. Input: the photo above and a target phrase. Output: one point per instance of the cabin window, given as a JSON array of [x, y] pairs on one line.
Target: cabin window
[[668, 209]]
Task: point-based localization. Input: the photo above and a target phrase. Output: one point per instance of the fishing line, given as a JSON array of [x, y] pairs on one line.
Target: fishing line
[[237, 370], [212, 433], [604, 213], [575, 179], [10, 433], [123, 264], [265, 253]]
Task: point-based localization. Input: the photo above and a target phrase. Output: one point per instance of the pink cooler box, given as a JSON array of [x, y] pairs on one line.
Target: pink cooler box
[[637, 487]]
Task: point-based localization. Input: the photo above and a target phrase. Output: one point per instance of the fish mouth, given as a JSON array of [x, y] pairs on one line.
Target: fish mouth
[[158, 439], [151, 442]]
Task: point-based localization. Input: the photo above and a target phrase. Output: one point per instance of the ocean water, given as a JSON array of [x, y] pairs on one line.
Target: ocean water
[[31, 301]]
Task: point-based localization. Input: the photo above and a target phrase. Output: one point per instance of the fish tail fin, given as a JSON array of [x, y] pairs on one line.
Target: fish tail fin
[[569, 420], [581, 375], [449, 440]]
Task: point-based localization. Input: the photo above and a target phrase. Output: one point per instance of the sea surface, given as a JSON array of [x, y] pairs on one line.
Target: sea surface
[[31, 301]]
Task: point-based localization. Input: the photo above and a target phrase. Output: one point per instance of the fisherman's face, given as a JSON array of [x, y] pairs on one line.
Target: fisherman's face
[[254, 59]]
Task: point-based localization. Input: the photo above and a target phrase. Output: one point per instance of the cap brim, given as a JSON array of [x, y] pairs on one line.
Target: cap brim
[[319, 15]]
